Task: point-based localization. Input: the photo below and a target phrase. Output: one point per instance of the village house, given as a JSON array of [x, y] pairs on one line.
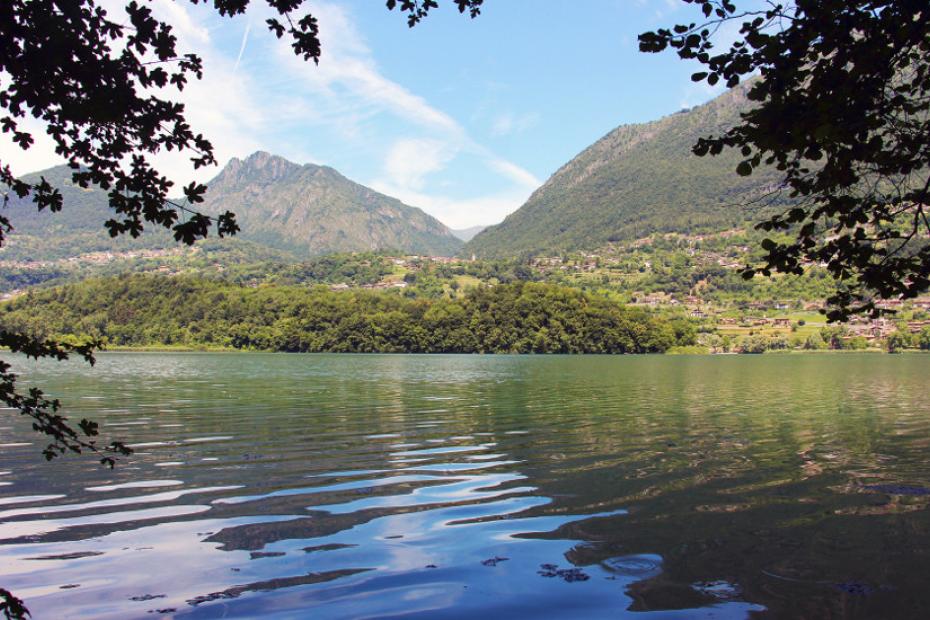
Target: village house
[[649, 300], [877, 328]]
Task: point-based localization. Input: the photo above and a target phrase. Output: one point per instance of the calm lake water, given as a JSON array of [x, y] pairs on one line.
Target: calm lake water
[[337, 486]]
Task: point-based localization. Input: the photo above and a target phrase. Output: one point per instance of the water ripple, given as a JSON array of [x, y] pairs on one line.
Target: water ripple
[[444, 486]]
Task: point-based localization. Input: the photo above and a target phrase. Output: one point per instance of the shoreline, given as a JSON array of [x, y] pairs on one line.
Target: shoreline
[[672, 353]]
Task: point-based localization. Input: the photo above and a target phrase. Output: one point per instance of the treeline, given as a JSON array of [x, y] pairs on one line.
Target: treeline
[[522, 317], [831, 337]]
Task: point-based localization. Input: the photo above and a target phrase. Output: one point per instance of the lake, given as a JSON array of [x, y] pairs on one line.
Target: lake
[[382, 486]]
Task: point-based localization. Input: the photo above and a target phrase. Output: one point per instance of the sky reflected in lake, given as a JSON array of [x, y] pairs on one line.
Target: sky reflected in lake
[[339, 486]]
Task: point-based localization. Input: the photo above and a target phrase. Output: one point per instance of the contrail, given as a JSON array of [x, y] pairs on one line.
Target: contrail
[[245, 39]]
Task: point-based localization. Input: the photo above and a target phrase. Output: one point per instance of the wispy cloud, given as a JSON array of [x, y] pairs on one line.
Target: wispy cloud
[[245, 40], [508, 123], [514, 172], [485, 209], [256, 94], [349, 88], [411, 160]]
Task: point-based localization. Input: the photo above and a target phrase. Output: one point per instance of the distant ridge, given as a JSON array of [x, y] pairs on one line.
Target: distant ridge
[[309, 210], [635, 181], [466, 234], [302, 210]]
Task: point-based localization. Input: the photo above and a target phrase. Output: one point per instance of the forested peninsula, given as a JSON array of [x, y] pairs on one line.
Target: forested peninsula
[[189, 312]]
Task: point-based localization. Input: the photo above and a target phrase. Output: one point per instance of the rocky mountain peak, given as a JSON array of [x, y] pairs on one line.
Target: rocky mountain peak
[[260, 167]]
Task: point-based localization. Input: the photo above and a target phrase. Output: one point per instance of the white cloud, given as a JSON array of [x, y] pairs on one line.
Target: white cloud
[[671, 6], [502, 125], [256, 94], [410, 160], [424, 158], [487, 209], [696, 93], [348, 75], [517, 174], [507, 123], [221, 106], [185, 26], [39, 156]]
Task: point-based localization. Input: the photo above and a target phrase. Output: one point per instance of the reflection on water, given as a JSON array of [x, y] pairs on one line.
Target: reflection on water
[[454, 486]]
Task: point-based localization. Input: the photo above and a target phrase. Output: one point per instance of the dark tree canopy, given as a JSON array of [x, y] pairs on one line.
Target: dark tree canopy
[[843, 110]]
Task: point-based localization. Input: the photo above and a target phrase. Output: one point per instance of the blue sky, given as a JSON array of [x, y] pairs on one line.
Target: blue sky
[[462, 118]]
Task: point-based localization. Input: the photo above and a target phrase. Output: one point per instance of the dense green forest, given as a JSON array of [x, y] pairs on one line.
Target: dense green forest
[[522, 317]]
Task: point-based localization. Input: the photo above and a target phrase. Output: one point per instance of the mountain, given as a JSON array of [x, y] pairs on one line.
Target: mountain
[[635, 181], [76, 229], [300, 210], [467, 234], [312, 210]]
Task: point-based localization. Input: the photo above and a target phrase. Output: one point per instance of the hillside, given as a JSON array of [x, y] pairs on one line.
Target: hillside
[[77, 229], [312, 210], [635, 181], [300, 210]]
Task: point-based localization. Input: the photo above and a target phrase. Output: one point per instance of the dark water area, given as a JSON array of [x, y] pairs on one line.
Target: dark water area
[[338, 486]]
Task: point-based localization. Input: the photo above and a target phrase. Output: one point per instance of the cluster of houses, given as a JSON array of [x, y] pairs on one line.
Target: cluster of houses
[[416, 263], [95, 258], [342, 286], [587, 263], [920, 303], [776, 322], [653, 299], [870, 329]]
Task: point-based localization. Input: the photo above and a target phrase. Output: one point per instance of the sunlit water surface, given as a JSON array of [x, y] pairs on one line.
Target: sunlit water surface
[[331, 486]]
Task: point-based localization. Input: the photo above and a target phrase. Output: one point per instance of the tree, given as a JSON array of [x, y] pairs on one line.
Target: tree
[[814, 342], [833, 336], [897, 341], [95, 82], [842, 108], [923, 339]]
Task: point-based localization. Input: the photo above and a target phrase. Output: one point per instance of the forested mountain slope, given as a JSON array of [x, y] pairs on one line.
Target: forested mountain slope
[[635, 181]]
